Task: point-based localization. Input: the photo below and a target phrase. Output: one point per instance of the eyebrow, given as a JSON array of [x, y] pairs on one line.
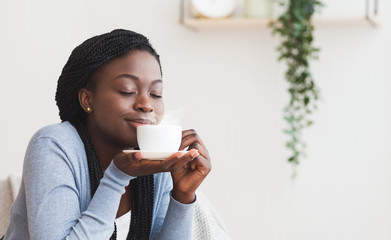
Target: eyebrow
[[135, 78]]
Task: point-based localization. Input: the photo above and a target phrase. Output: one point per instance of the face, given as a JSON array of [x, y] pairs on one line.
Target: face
[[125, 93]]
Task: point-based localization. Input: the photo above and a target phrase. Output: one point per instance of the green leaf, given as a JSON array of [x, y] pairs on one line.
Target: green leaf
[[292, 159], [306, 100], [296, 49]]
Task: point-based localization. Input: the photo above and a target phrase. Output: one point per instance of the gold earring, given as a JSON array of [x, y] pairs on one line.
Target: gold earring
[[88, 109]]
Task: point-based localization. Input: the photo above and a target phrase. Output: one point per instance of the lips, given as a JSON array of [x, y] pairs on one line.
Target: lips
[[139, 122]]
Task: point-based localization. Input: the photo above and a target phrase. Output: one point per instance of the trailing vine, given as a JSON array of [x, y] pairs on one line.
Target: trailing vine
[[295, 28]]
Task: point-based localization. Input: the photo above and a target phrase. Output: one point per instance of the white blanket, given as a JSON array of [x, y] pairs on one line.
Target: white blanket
[[9, 188], [207, 224]]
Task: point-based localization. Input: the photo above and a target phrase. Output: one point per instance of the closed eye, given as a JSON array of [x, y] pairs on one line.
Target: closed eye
[[156, 96], [124, 93]]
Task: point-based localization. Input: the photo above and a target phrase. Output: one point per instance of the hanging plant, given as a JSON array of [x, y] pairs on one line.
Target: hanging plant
[[295, 28]]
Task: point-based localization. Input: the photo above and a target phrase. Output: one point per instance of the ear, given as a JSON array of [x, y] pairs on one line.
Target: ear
[[85, 99]]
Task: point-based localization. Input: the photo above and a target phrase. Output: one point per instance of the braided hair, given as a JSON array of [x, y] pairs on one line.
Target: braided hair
[[76, 74]]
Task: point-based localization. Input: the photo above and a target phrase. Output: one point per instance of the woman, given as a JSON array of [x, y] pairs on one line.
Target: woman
[[75, 177]]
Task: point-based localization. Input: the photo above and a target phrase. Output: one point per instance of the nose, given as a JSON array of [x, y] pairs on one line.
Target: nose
[[142, 104]]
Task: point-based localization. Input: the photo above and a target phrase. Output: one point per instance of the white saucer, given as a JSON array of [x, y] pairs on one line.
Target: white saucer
[[150, 155]]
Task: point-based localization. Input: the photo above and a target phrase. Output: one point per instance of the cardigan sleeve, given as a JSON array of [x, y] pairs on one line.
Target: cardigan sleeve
[[53, 201], [174, 219]]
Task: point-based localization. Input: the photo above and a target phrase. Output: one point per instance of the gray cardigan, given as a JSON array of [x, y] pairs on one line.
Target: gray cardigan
[[54, 198]]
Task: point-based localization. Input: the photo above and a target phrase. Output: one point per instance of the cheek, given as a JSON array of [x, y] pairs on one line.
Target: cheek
[[110, 108], [159, 112]]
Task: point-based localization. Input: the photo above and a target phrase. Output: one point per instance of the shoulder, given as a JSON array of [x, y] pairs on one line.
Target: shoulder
[[56, 152], [61, 132], [57, 141], [64, 135]]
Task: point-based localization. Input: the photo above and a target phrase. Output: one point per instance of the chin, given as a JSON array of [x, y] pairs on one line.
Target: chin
[[132, 144], [127, 142]]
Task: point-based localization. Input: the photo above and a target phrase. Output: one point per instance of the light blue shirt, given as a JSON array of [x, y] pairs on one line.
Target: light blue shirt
[[54, 198]]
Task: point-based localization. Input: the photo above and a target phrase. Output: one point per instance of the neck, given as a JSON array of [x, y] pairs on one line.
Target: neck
[[104, 148]]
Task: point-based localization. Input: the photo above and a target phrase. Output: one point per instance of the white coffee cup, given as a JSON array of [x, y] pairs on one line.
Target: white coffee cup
[[159, 138]]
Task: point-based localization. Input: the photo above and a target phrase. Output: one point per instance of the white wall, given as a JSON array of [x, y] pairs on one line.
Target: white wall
[[228, 85]]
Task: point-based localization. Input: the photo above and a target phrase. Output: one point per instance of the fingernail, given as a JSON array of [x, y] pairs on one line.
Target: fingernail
[[193, 167], [138, 156], [194, 154]]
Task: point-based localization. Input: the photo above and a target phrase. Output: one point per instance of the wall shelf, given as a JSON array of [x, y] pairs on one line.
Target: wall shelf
[[228, 23], [259, 23], [370, 18]]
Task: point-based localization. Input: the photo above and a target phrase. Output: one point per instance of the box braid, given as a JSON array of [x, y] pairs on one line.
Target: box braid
[[76, 74]]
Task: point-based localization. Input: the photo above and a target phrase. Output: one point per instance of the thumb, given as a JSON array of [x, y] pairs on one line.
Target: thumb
[[134, 157], [122, 160]]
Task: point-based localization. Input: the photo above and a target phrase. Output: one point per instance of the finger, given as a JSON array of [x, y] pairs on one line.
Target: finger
[[197, 144], [179, 160], [134, 157], [133, 164], [193, 164], [124, 159], [184, 159], [189, 132], [201, 165], [201, 149], [168, 162], [189, 157], [189, 137]]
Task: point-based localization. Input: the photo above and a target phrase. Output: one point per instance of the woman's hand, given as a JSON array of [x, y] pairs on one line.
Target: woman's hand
[[187, 171], [133, 164], [187, 179]]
